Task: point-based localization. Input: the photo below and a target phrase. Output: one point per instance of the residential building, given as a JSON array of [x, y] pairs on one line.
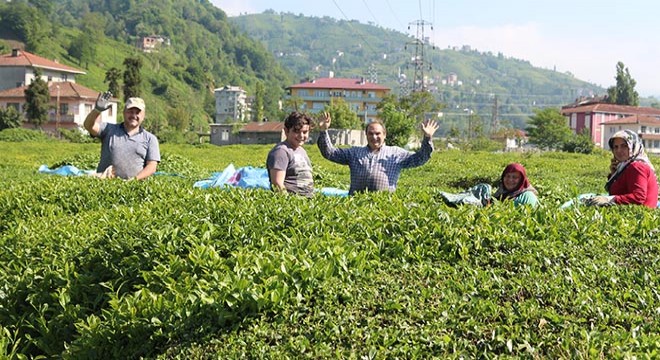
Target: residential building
[[590, 116], [266, 132], [648, 128], [231, 105], [17, 69], [272, 132], [361, 96], [70, 102], [152, 43]]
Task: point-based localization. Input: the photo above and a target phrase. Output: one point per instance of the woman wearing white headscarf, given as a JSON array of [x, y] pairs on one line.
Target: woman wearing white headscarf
[[632, 178]]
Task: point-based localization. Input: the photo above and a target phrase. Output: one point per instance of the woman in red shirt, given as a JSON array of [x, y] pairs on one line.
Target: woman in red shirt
[[632, 178]]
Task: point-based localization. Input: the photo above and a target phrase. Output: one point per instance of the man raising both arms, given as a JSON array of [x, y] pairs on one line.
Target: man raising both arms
[[377, 166], [127, 150]]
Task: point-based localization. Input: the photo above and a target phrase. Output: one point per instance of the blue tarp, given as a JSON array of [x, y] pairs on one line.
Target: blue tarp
[[251, 178], [66, 170]]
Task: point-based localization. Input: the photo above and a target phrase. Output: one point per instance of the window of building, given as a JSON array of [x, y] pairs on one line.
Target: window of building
[[225, 135], [318, 106], [656, 143], [50, 78], [643, 129], [64, 109], [657, 130], [320, 93], [371, 94], [303, 93]]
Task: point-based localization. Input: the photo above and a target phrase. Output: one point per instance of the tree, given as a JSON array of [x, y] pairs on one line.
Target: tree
[[37, 99], [112, 78], [132, 77], [399, 127], [548, 129], [579, 143], [623, 93], [10, 118], [258, 106], [342, 115]]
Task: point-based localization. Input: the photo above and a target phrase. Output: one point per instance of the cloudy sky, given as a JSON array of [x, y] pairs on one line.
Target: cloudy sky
[[584, 37]]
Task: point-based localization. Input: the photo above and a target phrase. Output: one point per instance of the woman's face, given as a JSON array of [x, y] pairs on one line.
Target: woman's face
[[512, 180], [620, 149]]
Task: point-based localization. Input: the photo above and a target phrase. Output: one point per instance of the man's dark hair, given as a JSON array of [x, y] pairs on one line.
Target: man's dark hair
[[297, 120]]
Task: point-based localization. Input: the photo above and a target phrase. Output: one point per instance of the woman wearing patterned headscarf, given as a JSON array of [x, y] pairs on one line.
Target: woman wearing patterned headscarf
[[514, 185], [632, 178]]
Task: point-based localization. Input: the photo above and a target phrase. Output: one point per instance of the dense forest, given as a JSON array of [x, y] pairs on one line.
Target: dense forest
[[205, 52], [313, 46]]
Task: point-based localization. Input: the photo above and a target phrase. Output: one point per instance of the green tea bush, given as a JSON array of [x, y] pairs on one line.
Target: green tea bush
[[95, 268], [21, 134]]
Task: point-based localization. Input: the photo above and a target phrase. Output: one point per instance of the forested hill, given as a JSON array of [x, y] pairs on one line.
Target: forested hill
[[206, 50], [311, 46]]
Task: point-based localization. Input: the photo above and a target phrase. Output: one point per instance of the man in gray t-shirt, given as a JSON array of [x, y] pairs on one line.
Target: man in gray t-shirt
[[127, 150], [289, 168]]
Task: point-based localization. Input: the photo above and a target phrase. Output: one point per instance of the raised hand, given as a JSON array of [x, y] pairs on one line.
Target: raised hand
[[324, 121], [429, 127], [103, 101]]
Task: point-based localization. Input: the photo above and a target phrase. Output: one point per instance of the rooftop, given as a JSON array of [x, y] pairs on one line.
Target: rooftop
[[25, 59]]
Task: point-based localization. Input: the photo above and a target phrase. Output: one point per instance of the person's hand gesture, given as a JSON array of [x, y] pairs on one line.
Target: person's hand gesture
[[103, 101], [613, 164], [324, 121], [429, 127]]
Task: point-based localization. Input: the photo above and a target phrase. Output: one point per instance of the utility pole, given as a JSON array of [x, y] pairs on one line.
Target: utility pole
[[418, 60], [494, 122]]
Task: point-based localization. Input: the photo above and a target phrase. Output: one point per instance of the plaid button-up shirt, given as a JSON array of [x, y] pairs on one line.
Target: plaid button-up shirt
[[377, 170]]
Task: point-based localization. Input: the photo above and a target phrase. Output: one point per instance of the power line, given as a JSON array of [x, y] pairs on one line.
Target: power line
[[369, 10], [394, 13]]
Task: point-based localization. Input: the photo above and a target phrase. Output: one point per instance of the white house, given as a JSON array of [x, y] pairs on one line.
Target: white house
[[231, 105], [647, 126], [70, 102]]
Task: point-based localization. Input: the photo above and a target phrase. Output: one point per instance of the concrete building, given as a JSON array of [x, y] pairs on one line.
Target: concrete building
[[648, 128], [231, 105], [267, 132], [360, 95], [17, 69], [70, 102], [152, 43], [591, 116]]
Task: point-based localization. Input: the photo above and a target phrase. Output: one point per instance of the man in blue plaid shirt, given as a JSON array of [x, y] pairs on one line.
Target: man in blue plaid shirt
[[375, 167]]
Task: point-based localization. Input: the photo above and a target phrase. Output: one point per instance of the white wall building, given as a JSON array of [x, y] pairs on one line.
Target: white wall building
[[231, 105]]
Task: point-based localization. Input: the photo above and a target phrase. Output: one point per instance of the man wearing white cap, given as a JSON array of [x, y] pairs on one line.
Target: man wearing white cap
[[127, 150]]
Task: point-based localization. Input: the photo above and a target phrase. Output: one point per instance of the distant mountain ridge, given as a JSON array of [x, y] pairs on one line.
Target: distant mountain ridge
[[466, 80]]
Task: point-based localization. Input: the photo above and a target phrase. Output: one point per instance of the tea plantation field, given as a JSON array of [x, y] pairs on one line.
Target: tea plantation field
[[93, 269]]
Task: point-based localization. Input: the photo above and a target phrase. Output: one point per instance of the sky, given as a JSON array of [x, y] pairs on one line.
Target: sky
[[584, 37]]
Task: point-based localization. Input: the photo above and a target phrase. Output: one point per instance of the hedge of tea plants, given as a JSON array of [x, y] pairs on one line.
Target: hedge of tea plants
[[95, 269]]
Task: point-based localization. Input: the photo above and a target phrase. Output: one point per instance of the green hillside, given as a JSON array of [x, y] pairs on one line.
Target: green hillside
[[311, 46], [206, 52]]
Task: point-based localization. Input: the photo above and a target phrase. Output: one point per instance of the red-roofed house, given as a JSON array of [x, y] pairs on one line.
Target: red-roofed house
[[362, 96], [266, 132], [648, 127], [593, 117], [72, 101], [17, 69]]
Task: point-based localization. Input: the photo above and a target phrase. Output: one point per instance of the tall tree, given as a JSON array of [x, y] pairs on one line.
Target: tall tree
[[342, 115], [37, 99], [258, 106], [132, 77], [112, 78], [623, 93], [548, 129]]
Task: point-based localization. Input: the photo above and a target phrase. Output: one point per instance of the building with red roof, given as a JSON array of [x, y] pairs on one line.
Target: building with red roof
[[600, 119], [647, 126], [17, 69], [361, 96], [70, 102]]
